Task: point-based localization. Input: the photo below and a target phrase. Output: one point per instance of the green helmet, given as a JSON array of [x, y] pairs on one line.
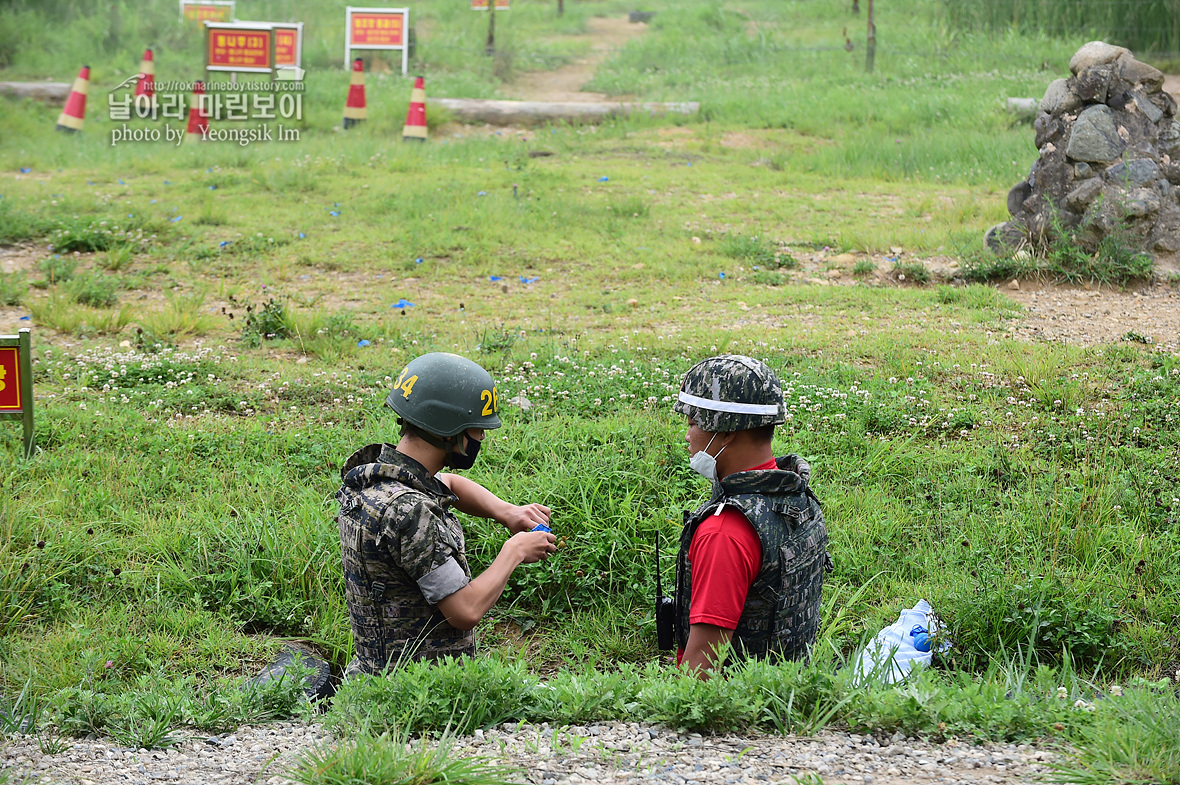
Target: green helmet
[[445, 394], [731, 392]]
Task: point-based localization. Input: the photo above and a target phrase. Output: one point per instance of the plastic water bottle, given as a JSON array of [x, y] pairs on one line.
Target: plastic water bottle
[[921, 638], [540, 527]]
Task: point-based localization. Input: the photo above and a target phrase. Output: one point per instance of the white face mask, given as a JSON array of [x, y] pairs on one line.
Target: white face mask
[[704, 464]]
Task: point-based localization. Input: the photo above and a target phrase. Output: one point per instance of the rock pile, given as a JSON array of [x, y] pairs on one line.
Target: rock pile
[[1109, 162]]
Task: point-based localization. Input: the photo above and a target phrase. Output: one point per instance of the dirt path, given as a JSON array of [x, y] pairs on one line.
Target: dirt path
[[1081, 315], [1089, 316], [606, 34]]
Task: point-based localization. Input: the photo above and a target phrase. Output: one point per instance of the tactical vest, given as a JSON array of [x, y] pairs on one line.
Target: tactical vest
[[782, 611], [390, 618]]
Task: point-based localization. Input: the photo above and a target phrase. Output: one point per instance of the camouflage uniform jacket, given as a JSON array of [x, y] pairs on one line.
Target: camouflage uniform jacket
[[403, 552], [781, 614]]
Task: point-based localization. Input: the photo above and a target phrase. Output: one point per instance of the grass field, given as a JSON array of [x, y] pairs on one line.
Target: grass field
[[215, 328]]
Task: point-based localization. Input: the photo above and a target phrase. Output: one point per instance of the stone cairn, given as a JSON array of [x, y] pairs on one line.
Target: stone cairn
[[1109, 162]]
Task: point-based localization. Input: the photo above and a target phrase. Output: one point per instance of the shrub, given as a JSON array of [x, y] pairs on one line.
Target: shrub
[[117, 257], [749, 248], [13, 287], [1041, 615], [863, 267], [768, 278], [95, 290], [17, 225], [914, 272], [57, 269], [460, 694], [1069, 258], [266, 322]]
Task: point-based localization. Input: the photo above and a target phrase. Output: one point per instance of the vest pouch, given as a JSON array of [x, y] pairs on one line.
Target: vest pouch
[[368, 639], [801, 587]]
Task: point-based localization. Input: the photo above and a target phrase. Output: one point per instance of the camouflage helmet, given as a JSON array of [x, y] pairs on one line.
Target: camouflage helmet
[[445, 394], [731, 392]]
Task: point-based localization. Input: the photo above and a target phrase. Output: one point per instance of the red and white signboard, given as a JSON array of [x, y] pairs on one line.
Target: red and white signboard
[[248, 47], [206, 10], [16, 383], [376, 28], [10, 379], [288, 44], [482, 5]]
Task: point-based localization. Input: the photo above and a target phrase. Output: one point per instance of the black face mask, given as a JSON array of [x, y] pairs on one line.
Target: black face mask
[[464, 460]]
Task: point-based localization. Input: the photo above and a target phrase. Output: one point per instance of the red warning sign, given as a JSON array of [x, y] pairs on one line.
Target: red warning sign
[[10, 379], [375, 29]]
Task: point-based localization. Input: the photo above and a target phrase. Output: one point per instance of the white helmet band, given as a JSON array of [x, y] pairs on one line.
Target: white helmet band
[[729, 407]]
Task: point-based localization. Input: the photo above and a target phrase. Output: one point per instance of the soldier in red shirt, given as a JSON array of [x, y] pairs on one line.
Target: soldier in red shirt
[[749, 572]]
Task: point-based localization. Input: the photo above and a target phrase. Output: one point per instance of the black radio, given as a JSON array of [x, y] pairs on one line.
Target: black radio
[[665, 610]]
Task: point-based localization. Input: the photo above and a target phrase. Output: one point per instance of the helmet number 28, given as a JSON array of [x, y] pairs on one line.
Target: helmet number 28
[[491, 401], [404, 384]]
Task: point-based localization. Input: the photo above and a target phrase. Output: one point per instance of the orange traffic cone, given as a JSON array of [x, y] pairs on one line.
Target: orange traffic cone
[[198, 118], [415, 128], [354, 108], [74, 115], [145, 87]]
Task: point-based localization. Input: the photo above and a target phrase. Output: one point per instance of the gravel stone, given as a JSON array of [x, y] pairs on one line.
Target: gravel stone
[[603, 754]]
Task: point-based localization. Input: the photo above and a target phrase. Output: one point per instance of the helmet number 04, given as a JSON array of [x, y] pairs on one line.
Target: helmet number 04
[[404, 384], [491, 401]]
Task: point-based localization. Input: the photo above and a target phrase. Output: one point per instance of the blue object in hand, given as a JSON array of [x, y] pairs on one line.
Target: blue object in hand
[[540, 527]]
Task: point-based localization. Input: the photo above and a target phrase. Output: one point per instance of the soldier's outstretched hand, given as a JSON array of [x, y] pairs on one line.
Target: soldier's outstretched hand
[[533, 546], [526, 518]]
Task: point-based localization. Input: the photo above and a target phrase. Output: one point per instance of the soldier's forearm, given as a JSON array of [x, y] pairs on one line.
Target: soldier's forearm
[[474, 499], [701, 650], [467, 606]]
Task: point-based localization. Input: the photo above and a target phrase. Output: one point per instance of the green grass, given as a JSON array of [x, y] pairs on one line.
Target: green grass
[[1014, 700], [13, 288], [396, 760], [179, 517], [1149, 26]]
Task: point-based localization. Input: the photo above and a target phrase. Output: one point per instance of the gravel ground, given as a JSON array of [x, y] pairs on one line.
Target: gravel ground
[[607, 753], [1090, 316]]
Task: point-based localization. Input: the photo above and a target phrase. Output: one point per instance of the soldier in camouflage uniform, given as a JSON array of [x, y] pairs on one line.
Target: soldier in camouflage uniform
[[749, 571], [407, 582]]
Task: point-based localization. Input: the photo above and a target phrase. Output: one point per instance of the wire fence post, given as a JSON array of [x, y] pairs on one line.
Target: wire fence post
[[871, 41], [560, 7]]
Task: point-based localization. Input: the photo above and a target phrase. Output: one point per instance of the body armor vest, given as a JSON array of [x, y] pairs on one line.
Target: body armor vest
[[391, 619], [782, 611]]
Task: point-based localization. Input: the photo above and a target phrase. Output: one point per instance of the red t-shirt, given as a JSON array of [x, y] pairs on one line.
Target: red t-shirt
[[725, 556]]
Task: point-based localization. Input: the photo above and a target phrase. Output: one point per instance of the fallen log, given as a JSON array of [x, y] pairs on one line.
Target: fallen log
[[481, 110], [1024, 108], [42, 91]]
